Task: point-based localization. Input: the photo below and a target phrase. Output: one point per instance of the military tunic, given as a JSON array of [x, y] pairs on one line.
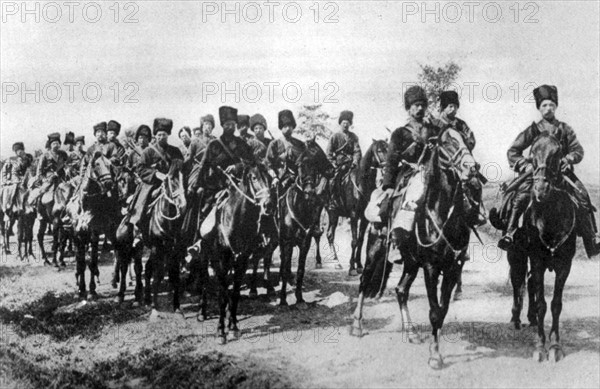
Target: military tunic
[[407, 143], [150, 163], [343, 147], [462, 128]]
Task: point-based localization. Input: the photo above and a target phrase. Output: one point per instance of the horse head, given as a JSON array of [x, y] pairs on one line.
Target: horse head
[[378, 151], [308, 175], [256, 180], [455, 157], [100, 176], [546, 153]]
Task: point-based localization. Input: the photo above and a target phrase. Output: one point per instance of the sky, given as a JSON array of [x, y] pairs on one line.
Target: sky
[[184, 59]]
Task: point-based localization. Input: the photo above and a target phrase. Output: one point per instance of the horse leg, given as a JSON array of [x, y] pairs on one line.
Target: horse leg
[[173, 263], [362, 229], [354, 231], [62, 244], [436, 315], [538, 270], [333, 221], [201, 279], [409, 274], [531, 292], [285, 249], [267, 260], [6, 237], [300, 273], [356, 329], [93, 266], [122, 257], [80, 267], [148, 277], [138, 253], [518, 272], [40, 237], [241, 264], [221, 270], [318, 259], [158, 270], [55, 241], [555, 350], [255, 262]]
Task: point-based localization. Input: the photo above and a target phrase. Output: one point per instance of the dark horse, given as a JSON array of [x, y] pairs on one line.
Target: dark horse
[[355, 193], [298, 212], [235, 238], [93, 210], [548, 239], [50, 207], [161, 234], [16, 208], [439, 235]]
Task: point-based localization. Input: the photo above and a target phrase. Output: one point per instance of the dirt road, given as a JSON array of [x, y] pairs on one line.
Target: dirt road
[[51, 339]]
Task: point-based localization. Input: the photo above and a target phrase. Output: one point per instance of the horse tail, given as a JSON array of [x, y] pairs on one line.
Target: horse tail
[[377, 269]]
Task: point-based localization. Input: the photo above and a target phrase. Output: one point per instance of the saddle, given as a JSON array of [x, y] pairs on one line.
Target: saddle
[[410, 197]]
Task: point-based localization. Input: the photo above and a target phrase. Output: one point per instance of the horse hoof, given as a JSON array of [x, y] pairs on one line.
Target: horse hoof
[[46, 263], [154, 316], [283, 304], [270, 291], [436, 363], [82, 296], [118, 300], [221, 340], [319, 266], [414, 339], [113, 284], [356, 331], [359, 270], [539, 355], [253, 294], [352, 273], [234, 335], [517, 324], [555, 354], [136, 304], [63, 264], [338, 266], [92, 296], [302, 305], [200, 318], [457, 296], [179, 312]]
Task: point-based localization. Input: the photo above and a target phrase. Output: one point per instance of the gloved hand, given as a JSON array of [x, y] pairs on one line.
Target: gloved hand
[[527, 167], [231, 169], [565, 166], [160, 176]]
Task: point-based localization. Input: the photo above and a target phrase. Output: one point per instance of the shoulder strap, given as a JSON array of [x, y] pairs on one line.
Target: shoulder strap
[[160, 153], [226, 149]]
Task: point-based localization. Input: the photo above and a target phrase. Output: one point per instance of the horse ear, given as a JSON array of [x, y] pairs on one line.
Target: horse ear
[[373, 139]]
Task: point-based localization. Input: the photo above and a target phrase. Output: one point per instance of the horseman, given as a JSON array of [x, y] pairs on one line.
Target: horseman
[[546, 99], [258, 143], [154, 164], [14, 174], [223, 156], [407, 144], [202, 137], [243, 126], [344, 154], [51, 169], [142, 139], [76, 156], [449, 105], [185, 136], [102, 145], [112, 132], [283, 154]]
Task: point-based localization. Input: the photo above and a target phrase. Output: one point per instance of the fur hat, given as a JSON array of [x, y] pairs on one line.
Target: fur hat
[[55, 136], [143, 130], [258, 119], [208, 118], [115, 126], [186, 129], [162, 124], [18, 146], [70, 138], [243, 120], [346, 115], [80, 139], [545, 92], [448, 97], [286, 117], [226, 114], [100, 127], [414, 94]]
